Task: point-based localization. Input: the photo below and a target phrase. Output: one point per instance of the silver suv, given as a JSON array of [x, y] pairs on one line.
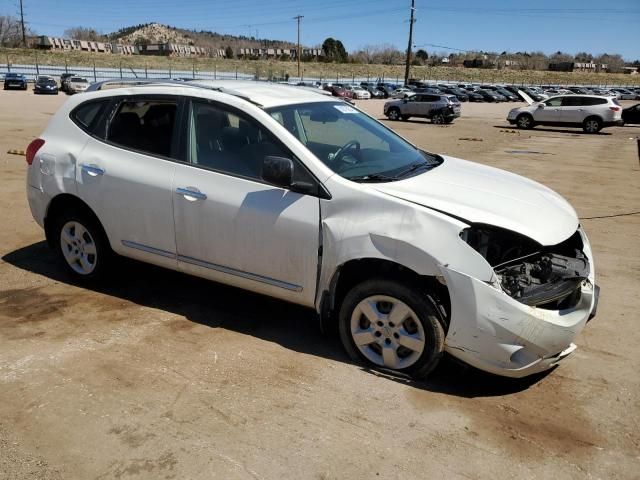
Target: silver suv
[[591, 112], [438, 108]]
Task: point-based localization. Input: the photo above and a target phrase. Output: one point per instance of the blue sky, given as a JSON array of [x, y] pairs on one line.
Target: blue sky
[[490, 25]]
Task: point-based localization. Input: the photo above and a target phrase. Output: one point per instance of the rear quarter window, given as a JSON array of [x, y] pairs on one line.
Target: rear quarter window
[[87, 115]]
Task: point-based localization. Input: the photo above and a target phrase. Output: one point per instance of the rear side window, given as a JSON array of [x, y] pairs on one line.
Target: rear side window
[[87, 115], [144, 125], [572, 101], [594, 101]]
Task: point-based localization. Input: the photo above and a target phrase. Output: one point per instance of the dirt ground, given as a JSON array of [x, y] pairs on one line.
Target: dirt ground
[[159, 375]]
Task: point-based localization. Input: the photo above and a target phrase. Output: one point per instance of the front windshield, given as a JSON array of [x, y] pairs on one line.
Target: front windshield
[[351, 143]]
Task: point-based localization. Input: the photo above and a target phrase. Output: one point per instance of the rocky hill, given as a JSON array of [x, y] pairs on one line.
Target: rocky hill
[[158, 33]]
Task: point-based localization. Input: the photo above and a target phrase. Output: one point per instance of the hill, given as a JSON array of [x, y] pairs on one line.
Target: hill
[[159, 33]]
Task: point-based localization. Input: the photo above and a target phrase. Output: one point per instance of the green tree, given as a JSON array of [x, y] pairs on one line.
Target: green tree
[[228, 52], [334, 51]]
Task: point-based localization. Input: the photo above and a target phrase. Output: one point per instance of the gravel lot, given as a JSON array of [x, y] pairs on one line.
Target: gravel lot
[[159, 375]]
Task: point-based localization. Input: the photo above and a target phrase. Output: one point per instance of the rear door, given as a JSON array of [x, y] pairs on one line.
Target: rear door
[[575, 109], [124, 174]]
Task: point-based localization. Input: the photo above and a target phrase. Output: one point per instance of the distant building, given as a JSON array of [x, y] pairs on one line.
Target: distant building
[[56, 43], [173, 50]]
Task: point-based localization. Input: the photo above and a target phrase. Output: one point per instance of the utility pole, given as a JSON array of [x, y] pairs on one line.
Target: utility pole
[[24, 36], [411, 22], [298, 52]]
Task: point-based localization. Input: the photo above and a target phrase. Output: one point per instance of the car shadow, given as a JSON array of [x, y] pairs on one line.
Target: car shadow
[[554, 130], [219, 306]]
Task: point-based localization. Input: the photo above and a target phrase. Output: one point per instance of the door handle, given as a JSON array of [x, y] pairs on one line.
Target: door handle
[[92, 170], [191, 193]]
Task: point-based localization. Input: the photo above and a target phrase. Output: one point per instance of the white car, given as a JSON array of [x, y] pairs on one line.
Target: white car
[[77, 85], [591, 112], [358, 92], [402, 92], [299, 196]]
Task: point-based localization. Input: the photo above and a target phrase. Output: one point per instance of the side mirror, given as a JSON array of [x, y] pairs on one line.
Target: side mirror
[[277, 171], [541, 105]]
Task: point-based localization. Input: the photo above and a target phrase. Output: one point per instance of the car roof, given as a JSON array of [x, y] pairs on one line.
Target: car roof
[[263, 94]]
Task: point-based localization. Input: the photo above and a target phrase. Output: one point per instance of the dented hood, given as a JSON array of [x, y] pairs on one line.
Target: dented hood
[[480, 194]]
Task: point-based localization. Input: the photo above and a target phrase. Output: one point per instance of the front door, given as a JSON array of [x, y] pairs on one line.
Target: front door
[[233, 227], [549, 111]]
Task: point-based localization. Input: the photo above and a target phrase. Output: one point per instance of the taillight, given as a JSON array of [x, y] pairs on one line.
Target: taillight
[[615, 109], [33, 148]]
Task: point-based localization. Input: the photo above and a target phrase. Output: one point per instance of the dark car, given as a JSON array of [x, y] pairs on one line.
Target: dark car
[[387, 89], [631, 114], [473, 96], [372, 89], [509, 96], [460, 94], [534, 96], [64, 79], [45, 85], [15, 80]]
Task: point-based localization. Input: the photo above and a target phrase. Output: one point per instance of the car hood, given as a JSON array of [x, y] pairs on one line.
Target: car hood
[[481, 194]]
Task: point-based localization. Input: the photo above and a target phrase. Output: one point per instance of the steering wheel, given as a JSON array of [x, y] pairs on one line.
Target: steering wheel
[[343, 150]]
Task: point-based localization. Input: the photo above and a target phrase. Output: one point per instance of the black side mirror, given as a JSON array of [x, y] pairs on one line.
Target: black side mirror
[[278, 171]]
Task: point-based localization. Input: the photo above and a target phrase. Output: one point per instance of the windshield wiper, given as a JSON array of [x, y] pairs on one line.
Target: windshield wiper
[[413, 168], [373, 178]]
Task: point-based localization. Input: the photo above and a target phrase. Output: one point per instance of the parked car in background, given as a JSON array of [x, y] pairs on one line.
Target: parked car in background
[[473, 95], [373, 90], [15, 81], [77, 85], [438, 108], [625, 94], [357, 92], [64, 80], [45, 85], [491, 96], [460, 94], [402, 92], [580, 90], [410, 253], [590, 112], [509, 96], [388, 89], [631, 114], [430, 90]]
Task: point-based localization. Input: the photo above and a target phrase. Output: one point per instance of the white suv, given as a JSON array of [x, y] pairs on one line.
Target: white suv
[[289, 193], [591, 112]]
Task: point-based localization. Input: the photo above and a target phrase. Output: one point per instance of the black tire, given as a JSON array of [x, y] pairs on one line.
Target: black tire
[[524, 121], [393, 113], [428, 313], [438, 119], [103, 253], [592, 125]]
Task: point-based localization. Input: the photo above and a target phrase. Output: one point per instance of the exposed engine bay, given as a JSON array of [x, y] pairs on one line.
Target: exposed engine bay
[[547, 277]]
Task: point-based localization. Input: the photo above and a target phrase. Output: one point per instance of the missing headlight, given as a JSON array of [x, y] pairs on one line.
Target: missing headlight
[[547, 277]]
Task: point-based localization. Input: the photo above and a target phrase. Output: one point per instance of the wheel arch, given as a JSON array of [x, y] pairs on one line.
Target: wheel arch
[[61, 203], [355, 271]]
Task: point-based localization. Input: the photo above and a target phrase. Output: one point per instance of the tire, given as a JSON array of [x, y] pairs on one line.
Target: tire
[[82, 245], [412, 346], [437, 119], [592, 125], [524, 121], [393, 113]]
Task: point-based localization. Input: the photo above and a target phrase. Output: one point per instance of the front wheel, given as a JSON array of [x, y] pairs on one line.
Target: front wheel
[[389, 325], [81, 245], [393, 114], [592, 125], [524, 121]]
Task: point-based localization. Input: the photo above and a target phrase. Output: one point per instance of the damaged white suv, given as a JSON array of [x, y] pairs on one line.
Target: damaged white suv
[[295, 195]]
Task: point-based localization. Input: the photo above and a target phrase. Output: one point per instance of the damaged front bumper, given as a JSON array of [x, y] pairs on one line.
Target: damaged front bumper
[[495, 333]]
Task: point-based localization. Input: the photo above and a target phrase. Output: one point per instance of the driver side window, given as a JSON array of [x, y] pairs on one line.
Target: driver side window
[[554, 102]]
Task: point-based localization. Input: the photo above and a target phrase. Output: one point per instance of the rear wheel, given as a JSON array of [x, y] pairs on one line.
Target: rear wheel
[[438, 119], [524, 121], [393, 113], [592, 125], [81, 244], [390, 325]]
